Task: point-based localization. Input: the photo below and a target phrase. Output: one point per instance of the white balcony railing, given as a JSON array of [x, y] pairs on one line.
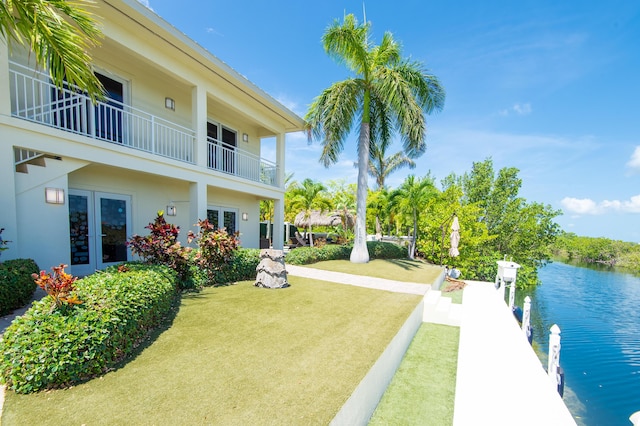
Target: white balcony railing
[[34, 98], [229, 159]]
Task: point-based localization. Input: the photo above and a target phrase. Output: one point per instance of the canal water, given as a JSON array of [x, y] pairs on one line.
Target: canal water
[[598, 312]]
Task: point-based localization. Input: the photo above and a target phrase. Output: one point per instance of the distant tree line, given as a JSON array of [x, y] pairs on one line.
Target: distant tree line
[[570, 247]]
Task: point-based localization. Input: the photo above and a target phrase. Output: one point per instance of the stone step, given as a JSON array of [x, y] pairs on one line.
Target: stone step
[[440, 310]]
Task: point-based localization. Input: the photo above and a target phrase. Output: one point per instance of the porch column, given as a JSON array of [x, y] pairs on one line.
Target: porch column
[[278, 223], [197, 204], [5, 101], [199, 120], [280, 154]]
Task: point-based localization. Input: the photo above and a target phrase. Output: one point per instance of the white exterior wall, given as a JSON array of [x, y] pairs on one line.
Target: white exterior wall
[[153, 61]]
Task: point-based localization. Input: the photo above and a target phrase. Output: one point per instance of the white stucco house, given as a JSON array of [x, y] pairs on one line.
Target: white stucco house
[[180, 131]]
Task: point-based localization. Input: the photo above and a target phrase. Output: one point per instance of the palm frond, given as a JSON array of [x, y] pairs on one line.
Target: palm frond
[[331, 116], [347, 42], [60, 33]]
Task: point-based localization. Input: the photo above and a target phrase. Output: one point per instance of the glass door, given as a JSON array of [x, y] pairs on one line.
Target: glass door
[[81, 237], [223, 217], [113, 224], [99, 225]]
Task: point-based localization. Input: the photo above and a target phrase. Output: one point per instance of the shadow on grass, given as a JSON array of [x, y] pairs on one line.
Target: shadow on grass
[[409, 265]]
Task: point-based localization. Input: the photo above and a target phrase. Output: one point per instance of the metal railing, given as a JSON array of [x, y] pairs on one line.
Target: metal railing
[[35, 98], [229, 159]]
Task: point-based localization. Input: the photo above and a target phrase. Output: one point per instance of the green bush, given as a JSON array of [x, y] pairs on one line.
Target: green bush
[[377, 250], [16, 284], [242, 266], [48, 348]]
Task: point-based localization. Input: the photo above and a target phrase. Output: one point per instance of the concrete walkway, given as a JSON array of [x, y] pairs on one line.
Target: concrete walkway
[[359, 280], [500, 379]]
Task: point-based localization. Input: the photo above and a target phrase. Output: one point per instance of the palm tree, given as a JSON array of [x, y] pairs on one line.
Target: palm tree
[[378, 202], [380, 167], [410, 198], [307, 197], [60, 33], [343, 196], [386, 92]]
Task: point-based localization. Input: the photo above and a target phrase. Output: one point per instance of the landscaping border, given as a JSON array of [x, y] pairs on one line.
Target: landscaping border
[[359, 408]]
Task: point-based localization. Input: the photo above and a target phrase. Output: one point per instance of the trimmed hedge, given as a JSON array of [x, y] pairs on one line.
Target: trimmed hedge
[[48, 348], [241, 267], [377, 250], [16, 284]]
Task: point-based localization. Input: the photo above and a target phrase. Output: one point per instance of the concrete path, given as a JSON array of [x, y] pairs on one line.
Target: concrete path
[[500, 379], [359, 280]]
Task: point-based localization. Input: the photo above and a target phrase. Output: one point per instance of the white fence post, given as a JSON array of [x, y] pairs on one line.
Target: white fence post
[[554, 355], [526, 317], [512, 294], [500, 287]]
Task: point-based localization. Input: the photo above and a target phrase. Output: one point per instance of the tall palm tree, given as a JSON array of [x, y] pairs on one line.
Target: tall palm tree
[[307, 197], [60, 33], [386, 92], [410, 198], [380, 166]]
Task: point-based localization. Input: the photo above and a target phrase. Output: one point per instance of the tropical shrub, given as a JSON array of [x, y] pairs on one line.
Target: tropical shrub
[[377, 250], [16, 284], [161, 246], [49, 349], [216, 248], [241, 267], [60, 286]]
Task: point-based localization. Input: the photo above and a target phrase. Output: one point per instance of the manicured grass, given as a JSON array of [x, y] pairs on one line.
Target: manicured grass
[[456, 296], [423, 390], [391, 269], [238, 355]]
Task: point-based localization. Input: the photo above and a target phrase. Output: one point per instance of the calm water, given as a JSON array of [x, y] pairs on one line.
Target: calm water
[[598, 312]]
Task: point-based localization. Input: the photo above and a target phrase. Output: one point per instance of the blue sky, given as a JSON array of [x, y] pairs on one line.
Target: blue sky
[[549, 87]]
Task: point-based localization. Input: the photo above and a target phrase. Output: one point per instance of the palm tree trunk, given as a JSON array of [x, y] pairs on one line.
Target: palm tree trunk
[[412, 255], [360, 254]]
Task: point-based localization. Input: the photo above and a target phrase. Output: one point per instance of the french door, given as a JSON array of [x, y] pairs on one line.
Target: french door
[[222, 217], [99, 224]]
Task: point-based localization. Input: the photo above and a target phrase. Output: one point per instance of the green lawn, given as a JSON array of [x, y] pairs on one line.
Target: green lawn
[[238, 355], [423, 390], [391, 269]]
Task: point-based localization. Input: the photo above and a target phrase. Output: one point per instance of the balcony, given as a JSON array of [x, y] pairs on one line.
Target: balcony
[[35, 98]]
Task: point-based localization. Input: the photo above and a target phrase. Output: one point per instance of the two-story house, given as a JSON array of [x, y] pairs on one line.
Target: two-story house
[[179, 131]]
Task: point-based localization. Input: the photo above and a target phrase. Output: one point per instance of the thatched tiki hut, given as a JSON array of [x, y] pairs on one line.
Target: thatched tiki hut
[[318, 218]]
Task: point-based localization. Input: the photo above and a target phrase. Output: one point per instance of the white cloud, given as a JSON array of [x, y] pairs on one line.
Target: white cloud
[[586, 206], [580, 205], [518, 109], [522, 109], [634, 162]]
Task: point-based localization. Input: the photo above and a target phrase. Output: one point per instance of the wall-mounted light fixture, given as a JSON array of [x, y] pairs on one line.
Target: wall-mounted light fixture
[[245, 137], [54, 195], [171, 210], [245, 216], [169, 103]]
